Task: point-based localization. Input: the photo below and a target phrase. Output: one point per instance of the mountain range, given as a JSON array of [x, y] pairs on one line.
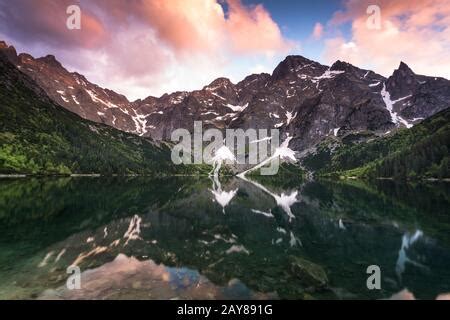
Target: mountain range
[[40, 137], [313, 103]]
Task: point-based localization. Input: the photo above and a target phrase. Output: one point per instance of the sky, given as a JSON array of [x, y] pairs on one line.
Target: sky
[[151, 47]]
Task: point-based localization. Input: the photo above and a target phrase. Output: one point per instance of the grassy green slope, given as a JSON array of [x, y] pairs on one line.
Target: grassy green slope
[[40, 137], [420, 152]]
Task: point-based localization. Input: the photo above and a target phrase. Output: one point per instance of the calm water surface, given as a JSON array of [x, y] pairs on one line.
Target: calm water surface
[[196, 238]]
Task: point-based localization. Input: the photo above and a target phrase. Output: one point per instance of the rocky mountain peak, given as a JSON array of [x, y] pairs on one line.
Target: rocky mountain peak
[[9, 51], [358, 73], [290, 65], [402, 82], [79, 76], [255, 76], [342, 66], [403, 71], [405, 67], [219, 83], [25, 57], [253, 80], [50, 60], [418, 96]]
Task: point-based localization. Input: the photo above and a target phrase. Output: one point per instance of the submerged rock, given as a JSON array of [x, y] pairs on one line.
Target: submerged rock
[[310, 274]]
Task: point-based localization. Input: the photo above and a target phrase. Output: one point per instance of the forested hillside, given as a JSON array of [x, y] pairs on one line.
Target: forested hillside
[[420, 152], [40, 137]]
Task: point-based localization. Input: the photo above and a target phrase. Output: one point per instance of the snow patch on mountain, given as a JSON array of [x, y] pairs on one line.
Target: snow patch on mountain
[[290, 95], [134, 229], [274, 115], [328, 74], [75, 99], [222, 154], [390, 107], [279, 125], [266, 214], [290, 117], [237, 108], [283, 152], [237, 249], [94, 98], [261, 140], [210, 112], [140, 122], [218, 96]]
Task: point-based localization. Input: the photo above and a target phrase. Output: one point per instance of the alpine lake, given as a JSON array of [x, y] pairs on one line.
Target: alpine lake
[[233, 238]]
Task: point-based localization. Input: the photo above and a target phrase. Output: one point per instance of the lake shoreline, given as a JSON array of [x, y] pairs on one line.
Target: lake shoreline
[[99, 175]]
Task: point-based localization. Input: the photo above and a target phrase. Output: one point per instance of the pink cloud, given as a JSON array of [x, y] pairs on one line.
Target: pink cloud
[[187, 24], [199, 25], [45, 21], [317, 31], [417, 32], [252, 29], [144, 47]]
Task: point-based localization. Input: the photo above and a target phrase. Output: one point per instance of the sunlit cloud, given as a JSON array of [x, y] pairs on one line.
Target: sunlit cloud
[[149, 47], [317, 31], [416, 32]]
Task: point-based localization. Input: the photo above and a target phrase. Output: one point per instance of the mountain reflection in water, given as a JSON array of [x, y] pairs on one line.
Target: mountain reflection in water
[[197, 238], [128, 278]]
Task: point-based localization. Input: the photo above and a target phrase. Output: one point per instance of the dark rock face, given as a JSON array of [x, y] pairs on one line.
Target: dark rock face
[[9, 52], [75, 93], [302, 98], [402, 82], [295, 64], [418, 96], [312, 275]]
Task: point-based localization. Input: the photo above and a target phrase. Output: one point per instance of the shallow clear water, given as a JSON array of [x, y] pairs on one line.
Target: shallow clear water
[[189, 238]]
